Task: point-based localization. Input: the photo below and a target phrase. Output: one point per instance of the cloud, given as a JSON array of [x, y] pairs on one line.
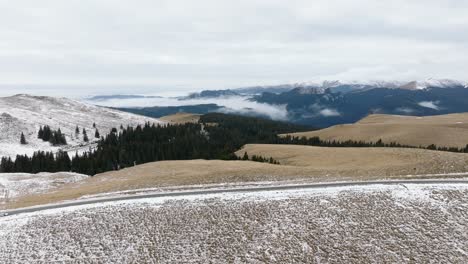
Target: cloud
[[214, 44], [405, 110], [328, 112], [235, 104], [430, 104]]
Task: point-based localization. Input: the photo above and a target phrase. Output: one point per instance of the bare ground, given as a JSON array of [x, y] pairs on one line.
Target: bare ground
[[444, 130]]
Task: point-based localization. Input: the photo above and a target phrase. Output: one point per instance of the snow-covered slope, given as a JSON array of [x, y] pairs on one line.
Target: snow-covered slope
[[25, 114], [14, 185]]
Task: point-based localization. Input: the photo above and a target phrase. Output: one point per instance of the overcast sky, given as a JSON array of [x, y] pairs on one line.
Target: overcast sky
[[79, 47]]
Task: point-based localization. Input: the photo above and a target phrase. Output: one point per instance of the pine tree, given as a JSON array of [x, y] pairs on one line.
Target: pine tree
[[94, 125], [77, 131], [96, 134], [23, 139], [85, 136], [40, 134]]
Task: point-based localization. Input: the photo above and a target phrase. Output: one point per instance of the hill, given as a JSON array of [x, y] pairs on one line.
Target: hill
[[443, 130], [26, 114], [181, 118], [160, 111], [298, 163]]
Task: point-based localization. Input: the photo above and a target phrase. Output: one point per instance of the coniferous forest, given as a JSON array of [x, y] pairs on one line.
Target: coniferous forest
[[216, 136]]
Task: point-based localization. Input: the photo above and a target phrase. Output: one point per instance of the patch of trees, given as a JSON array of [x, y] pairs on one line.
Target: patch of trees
[[39, 162], [257, 158], [55, 137], [316, 141]]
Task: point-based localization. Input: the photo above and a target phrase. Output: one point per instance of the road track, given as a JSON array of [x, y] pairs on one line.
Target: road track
[[228, 190]]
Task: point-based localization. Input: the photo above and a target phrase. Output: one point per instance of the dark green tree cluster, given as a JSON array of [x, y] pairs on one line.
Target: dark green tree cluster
[[55, 137], [257, 158], [316, 141], [39, 162]]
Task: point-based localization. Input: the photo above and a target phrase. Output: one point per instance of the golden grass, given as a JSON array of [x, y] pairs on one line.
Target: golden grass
[[297, 163], [443, 130], [181, 118]]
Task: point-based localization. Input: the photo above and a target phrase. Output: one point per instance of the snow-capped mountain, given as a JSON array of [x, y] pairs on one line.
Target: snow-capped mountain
[[347, 86], [25, 114]]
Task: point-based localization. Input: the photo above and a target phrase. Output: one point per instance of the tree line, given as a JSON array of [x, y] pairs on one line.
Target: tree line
[[316, 141]]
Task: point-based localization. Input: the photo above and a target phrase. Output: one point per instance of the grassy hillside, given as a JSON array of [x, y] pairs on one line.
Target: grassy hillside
[[181, 118], [443, 130]]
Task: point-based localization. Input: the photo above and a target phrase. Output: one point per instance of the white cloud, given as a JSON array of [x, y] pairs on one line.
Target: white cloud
[[429, 104], [327, 112], [205, 44], [227, 105], [405, 110]]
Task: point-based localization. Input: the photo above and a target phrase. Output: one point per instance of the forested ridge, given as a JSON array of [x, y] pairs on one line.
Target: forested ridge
[[216, 136]]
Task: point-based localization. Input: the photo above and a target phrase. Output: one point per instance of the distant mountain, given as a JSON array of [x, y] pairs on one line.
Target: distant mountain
[[118, 97], [331, 108], [160, 111], [330, 102], [212, 94], [333, 86], [25, 114], [277, 89]]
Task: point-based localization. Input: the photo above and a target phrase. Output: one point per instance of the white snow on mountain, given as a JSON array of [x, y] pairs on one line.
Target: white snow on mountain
[[25, 114], [321, 86]]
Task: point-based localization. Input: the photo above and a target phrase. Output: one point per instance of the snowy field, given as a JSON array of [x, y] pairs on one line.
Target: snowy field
[[367, 224], [25, 114], [14, 185]]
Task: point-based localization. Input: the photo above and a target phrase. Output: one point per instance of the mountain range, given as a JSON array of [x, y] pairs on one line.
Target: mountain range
[[332, 102]]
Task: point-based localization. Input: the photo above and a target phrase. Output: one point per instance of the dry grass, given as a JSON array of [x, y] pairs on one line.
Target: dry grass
[[181, 118], [298, 163], [362, 161], [443, 130]]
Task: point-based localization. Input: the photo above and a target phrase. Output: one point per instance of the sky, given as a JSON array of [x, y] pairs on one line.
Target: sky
[[88, 47]]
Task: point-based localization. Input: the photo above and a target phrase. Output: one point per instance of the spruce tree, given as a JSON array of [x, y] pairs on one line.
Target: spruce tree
[[23, 139], [96, 134], [40, 134], [85, 136]]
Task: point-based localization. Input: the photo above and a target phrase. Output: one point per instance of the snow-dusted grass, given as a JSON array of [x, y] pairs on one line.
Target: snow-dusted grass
[[366, 224], [24, 113], [14, 185]]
